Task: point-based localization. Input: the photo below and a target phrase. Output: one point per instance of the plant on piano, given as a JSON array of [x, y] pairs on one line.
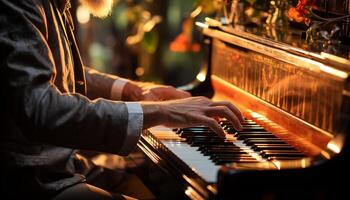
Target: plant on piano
[[320, 28]]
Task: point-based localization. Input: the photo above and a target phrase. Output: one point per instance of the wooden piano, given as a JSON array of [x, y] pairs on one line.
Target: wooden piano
[[296, 102]]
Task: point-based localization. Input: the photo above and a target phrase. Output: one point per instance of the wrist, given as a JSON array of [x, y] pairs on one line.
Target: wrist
[[153, 113], [131, 92]]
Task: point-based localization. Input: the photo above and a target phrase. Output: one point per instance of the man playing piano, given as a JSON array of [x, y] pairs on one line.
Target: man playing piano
[[52, 104]]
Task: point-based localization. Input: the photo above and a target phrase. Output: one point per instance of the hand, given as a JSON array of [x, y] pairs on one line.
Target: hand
[[138, 91], [194, 111]]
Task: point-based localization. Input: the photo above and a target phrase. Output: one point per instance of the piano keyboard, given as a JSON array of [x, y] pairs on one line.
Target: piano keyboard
[[204, 152]]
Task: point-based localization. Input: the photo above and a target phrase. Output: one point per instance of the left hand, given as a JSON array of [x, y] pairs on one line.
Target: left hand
[[139, 91]]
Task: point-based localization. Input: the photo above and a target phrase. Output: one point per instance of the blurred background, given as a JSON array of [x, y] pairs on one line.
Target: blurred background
[[148, 40]]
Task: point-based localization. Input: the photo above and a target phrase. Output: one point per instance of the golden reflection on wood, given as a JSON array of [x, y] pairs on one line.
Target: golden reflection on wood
[[309, 95], [306, 137]]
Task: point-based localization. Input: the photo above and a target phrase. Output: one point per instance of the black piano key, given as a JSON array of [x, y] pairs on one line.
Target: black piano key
[[209, 151], [190, 134], [203, 143], [271, 145], [248, 121], [266, 141], [274, 147], [254, 136], [205, 148], [228, 161], [262, 139], [217, 149], [204, 138], [252, 133], [285, 157], [246, 128], [270, 153], [281, 151], [197, 132], [194, 129], [228, 157], [225, 151]]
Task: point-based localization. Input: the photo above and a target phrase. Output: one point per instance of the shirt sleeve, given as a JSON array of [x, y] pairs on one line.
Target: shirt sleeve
[[117, 88], [134, 127]]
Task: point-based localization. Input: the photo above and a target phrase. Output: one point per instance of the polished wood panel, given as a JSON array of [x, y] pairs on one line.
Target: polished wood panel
[[304, 136]]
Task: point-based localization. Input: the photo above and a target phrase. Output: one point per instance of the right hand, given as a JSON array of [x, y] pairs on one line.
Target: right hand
[[193, 111]]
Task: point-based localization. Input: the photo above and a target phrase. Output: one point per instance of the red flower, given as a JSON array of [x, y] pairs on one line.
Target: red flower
[[301, 12]]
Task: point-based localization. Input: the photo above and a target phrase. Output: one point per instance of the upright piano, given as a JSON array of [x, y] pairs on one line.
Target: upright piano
[[296, 101]]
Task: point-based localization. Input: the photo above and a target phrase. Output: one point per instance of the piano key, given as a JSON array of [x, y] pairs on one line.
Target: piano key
[[205, 167], [195, 129], [254, 141], [204, 139], [280, 151], [229, 151], [281, 154], [285, 157], [255, 136], [228, 161], [201, 143], [254, 133], [246, 128], [266, 147], [208, 132]]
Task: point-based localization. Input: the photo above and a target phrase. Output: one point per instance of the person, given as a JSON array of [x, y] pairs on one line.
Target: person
[[52, 105]]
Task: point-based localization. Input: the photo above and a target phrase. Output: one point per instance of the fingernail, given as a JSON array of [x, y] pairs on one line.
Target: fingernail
[[240, 127]]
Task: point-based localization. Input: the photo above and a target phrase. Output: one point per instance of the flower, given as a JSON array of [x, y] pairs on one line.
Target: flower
[[183, 42], [302, 11]]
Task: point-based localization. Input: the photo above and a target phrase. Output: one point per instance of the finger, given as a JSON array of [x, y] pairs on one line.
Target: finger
[[211, 123], [223, 111], [231, 107], [150, 97], [185, 94]]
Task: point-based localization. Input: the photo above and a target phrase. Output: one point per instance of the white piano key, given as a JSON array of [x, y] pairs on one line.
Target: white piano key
[[194, 159]]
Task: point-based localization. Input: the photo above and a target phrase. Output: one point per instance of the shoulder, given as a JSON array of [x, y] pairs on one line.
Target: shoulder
[[19, 12], [23, 6]]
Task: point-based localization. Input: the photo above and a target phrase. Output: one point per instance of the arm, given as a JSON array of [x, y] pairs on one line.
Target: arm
[[40, 111], [99, 85], [102, 85]]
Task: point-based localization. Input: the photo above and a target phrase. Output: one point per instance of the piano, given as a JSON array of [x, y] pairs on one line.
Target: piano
[[296, 101]]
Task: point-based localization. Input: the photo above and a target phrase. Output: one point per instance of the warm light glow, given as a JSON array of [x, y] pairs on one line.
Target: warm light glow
[[256, 115], [201, 76], [277, 164], [140, 71], [334, 147], [196, 12], [149, 25], [327, 69], [202, 25], [333, 71], [188, 191], [326, 155], [83, 15]]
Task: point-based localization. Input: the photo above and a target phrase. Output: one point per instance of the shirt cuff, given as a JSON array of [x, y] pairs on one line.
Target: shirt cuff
[[117, 88], [134, 128]]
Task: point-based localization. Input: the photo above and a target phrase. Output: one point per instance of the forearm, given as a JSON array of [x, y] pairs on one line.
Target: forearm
[[99, 84]]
